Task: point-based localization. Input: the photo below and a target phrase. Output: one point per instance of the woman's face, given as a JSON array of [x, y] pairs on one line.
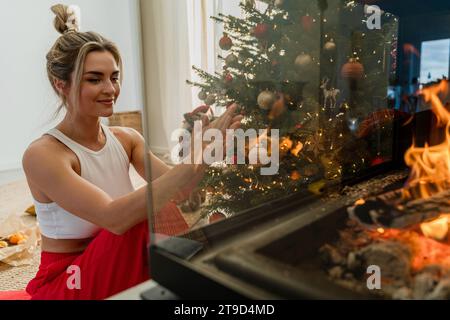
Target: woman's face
[[100, 85]]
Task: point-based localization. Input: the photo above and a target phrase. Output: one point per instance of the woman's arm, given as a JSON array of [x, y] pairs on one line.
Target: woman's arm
[[158, 167], [55, 177]]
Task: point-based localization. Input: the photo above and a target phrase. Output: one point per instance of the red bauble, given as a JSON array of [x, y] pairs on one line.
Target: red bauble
[[261, 31], [278, 108], [225, 42], [216, 216], [307, 22], [377, 161], [352, 70], [228, 78]]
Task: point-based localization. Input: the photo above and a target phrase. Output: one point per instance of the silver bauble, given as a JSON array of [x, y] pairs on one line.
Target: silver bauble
[[266, 99]]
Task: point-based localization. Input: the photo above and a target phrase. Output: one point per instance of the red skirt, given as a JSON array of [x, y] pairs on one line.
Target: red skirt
[[110, 264]]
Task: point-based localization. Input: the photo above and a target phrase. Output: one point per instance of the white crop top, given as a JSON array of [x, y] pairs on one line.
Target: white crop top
[[107, 168]]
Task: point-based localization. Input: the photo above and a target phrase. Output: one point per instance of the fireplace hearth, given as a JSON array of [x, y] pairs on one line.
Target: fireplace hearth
[[372, 217]]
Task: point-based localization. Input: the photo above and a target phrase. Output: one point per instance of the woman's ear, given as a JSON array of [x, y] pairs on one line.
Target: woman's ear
[[61, 86]]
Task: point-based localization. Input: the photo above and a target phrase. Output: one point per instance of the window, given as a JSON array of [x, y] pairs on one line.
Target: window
[[435, 60]]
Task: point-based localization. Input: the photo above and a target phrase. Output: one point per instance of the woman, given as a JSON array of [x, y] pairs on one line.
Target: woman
[[93, 223]]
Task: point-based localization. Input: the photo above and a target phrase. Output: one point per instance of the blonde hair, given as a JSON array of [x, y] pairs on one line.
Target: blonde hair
[[68, 55]]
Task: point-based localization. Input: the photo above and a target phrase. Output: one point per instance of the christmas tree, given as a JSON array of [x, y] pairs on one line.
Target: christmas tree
[[296, 67]]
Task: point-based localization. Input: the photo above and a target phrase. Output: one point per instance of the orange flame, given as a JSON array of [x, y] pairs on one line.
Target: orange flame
[[436, 229], [430, 165]]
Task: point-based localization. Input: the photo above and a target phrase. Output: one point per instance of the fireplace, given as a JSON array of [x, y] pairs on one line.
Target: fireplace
[[377, 232]]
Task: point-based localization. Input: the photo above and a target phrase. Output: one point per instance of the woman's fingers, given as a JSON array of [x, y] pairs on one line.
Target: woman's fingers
[[237, 118], [235, 125], [228, 117], [228, 120]]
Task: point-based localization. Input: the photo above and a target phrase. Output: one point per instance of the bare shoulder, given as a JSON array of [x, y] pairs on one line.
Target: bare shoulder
[[44, 151], [125, 133], [128, 137]]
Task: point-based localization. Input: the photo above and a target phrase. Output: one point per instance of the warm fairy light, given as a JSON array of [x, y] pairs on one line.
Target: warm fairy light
[[380, 230], [297, 149], [286, 143], [359, 202]]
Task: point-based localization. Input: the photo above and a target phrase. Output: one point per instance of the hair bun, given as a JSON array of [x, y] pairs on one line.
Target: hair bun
[[67, 18]]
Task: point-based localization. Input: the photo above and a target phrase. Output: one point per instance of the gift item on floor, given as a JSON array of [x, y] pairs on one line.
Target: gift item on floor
[[17, 241]]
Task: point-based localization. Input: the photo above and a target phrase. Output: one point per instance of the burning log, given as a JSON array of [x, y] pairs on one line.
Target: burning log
[[393, 210]]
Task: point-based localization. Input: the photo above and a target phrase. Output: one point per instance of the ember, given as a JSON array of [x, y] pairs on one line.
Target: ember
[[412, 266]]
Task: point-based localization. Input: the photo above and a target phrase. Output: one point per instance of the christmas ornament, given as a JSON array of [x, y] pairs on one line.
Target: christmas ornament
[[231, 60], [216, 216], [210, 100], [329, 95], [261, 31], [225, 42], [330, 45], [307, 22], [202, 95], [303, 60], [278, 108], [377, 161], [295, 175], [352, 70], [250, 3], [266, 99], [195, 115], [228, 78], [279, 3]]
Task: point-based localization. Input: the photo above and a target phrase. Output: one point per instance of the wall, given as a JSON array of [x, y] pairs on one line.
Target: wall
[[27, 101]]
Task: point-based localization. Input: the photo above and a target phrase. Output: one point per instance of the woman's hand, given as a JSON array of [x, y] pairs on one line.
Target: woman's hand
[[229, 120]]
